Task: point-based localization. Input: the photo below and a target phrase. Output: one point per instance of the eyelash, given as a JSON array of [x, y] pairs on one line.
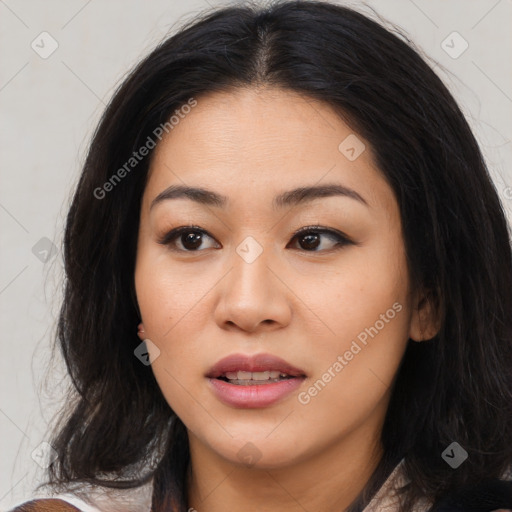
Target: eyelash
[[342, 240]]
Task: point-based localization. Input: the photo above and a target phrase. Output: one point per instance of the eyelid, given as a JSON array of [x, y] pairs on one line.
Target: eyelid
[[323, 230]]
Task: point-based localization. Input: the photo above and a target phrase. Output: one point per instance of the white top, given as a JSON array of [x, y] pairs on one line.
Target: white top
[[77, 502]]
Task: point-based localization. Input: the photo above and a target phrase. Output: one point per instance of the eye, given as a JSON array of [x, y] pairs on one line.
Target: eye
[[190, 239], [310, 238]]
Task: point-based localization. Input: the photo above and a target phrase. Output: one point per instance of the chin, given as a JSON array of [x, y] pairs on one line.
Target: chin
[[257, 452]]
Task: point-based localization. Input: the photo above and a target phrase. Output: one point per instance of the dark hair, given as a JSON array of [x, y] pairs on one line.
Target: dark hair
[[454, 387]]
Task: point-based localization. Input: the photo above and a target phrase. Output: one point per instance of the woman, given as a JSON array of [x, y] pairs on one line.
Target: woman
[[288, 281]]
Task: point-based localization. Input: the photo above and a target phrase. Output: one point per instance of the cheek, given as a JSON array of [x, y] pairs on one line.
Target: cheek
[[166, 293], [369, 290], [355, 367], [366, 315], [174, 310], [164, 298]]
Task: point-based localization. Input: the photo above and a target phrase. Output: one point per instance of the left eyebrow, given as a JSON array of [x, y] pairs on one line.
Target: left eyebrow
[[296, 196]]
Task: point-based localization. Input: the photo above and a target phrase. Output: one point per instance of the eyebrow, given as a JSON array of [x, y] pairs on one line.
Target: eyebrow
[[293, 197]]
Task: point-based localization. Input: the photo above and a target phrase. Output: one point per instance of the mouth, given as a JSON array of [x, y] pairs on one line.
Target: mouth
[[244, 370], [242, 378], [253, 381]]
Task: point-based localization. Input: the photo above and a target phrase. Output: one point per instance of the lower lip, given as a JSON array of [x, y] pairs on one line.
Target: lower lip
[[251, 397]]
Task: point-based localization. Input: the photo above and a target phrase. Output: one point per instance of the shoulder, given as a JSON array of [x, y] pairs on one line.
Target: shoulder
[[88, 498], [45, 505]]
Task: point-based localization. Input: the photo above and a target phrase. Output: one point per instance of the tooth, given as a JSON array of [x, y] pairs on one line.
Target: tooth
[[255, 376], [260, 375]]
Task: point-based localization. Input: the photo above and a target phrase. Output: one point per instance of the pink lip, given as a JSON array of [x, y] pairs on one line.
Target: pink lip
[[260, 395]]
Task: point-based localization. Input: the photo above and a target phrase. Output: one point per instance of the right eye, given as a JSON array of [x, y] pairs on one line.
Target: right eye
[[189, 237]]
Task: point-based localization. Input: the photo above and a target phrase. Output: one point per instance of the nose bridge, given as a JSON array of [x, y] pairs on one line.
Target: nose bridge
[[251, 272], [252, 295]]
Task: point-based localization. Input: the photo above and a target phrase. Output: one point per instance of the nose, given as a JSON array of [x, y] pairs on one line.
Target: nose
[[253, 297]]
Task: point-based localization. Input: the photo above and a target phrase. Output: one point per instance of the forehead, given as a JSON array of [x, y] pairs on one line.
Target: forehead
[[248, 142]]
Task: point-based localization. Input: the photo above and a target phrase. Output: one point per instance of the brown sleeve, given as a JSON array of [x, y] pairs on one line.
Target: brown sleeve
[[46, 505]]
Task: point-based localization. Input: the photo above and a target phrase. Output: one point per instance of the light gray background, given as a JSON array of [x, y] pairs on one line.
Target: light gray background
[[50, 107]]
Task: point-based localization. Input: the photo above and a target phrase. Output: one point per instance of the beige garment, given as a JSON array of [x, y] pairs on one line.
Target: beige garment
[[386, 498]]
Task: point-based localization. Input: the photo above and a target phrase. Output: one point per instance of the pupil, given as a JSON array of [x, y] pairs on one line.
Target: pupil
[[192, 238], [311, 241]]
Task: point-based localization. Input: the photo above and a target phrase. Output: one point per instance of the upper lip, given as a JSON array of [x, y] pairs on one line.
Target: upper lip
[[254, 363]]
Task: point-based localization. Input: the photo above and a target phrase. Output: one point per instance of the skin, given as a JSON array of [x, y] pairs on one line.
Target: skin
[[303, 303]]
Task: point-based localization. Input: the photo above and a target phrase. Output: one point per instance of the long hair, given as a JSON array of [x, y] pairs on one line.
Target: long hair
[[118, 431]]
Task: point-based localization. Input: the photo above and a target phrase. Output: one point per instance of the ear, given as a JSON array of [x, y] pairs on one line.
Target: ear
[[425, 319], [141, 332]]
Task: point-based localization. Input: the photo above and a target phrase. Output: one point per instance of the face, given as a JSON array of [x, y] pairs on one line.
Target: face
[[322, 316]]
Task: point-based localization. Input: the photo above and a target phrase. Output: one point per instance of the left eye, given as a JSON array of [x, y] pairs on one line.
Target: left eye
[[311, 237], [191, 237]]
